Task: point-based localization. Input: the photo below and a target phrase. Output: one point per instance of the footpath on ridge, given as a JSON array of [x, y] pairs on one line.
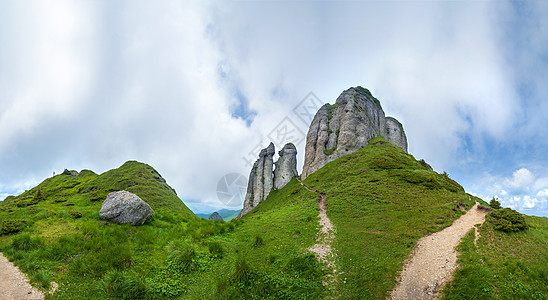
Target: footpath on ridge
[[322, 248], [434, 259]]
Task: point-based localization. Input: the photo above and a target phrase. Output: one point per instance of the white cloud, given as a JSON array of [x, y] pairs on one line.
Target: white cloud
[[93, 84], [542, 193], [522, 181], [522, 191]]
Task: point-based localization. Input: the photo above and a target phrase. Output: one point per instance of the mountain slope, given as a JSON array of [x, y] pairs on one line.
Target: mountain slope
[[53, 231], [381, 201]]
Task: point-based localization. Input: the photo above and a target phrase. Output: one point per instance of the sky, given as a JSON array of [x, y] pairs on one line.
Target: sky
[[197, 88]]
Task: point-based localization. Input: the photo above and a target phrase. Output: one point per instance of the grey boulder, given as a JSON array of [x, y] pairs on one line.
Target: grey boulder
[[124, 207]]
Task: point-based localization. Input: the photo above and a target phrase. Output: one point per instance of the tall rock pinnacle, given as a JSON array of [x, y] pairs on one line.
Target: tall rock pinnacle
[[263, 178], [286, 166], [347, 126]]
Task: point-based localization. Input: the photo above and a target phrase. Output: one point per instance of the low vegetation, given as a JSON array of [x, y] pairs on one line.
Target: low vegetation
[[503, 265], [53, 233], [380, 199]]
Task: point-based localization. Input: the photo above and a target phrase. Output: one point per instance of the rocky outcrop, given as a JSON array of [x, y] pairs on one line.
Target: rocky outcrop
[[124, 207], [263, 178], [70, 172], [286, 166], [260, 180], [215, 216], [395, 133], [161, 180], [347, 126]]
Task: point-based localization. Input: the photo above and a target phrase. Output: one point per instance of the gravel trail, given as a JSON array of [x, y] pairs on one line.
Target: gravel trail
[[434, 259], [14, 285]]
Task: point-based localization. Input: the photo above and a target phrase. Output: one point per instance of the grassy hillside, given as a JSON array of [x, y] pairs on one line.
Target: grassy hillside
[[503, 265], [380, 199], [53, 231]]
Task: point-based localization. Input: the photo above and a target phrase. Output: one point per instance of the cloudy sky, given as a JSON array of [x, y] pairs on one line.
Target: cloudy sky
[[195, 89]]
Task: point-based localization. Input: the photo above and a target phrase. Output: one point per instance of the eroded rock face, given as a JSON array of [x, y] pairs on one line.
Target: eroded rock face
[[124, 207], [395, 133], [262, 178], [347, 126], [286, 166]]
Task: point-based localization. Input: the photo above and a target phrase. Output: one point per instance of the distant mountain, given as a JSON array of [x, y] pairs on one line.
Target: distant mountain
[[227, 214]]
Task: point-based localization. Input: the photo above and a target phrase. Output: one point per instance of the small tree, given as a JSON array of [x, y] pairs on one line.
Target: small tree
[[494, 204]]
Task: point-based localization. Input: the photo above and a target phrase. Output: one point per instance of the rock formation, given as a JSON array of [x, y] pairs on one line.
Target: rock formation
[[347, 126], [395, 133], [263, 178], [215, 216], [286, 166], [124, 207]]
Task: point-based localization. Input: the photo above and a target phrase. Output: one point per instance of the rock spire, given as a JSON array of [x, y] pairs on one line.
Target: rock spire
[[286, 166], [347, 126], [263, 177]]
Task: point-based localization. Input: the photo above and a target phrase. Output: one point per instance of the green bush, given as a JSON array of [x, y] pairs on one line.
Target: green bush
[[508, 220], [75, 214], [12, 226], [494, 204]]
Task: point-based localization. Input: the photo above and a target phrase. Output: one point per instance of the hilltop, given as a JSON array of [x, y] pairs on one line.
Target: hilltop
[[345, 230], [380, 200]]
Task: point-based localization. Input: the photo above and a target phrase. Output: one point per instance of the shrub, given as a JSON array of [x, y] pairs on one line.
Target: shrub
[[75, 214], [216, 249], [12, 226], [494, 204], [508, 220]]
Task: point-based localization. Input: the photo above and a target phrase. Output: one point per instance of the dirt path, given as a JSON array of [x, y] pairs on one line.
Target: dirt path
[[322, 248], [434, 259], [14, 284]]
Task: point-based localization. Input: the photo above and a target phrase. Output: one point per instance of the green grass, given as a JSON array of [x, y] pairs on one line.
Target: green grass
[[503, 265], [381, 201]]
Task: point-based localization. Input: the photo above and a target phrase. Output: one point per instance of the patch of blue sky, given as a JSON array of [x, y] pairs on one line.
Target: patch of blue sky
[[240, 110]]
